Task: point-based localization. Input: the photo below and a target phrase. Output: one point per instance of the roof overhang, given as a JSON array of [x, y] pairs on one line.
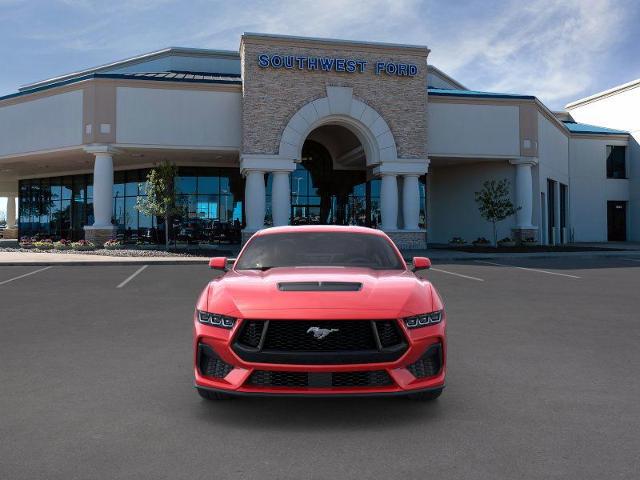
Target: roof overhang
[[606, 93], [145, 57]]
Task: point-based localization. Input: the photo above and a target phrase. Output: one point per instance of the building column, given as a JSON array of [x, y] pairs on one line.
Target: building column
[[280, 198], [11, 212], [102, 228], [389, 201], [524, 198], [11, 232], [411, 202], [255, 200]]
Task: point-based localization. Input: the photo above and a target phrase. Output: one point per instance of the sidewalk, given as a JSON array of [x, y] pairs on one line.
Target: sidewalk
[[37, 259]]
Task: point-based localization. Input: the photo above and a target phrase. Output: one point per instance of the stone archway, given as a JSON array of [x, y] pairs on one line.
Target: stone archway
[[339, 107]]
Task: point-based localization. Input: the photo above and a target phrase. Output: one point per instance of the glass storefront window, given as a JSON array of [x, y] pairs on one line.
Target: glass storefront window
[[211, 199]]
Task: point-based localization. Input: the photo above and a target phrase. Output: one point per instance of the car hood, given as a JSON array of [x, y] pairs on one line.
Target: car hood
[[381, 294]]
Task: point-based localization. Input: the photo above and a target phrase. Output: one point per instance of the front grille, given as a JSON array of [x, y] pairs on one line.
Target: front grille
[[389, 333], [266, 378], [429, 364], [319, 341], [210, 364], [251, 333], [298, 336]]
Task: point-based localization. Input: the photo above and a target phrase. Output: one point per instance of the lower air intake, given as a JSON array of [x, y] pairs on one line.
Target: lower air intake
[[267, 378], [429, 364], [210, 364]]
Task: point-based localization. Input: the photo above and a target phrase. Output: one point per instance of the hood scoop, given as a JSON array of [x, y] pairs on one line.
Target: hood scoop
[[319, 286]]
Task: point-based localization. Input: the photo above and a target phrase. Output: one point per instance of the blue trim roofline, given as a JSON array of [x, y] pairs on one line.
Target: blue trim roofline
[[120, 76], [585, 128], [444, 92]]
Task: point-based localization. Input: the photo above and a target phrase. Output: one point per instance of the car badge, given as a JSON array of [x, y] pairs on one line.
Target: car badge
[[320, 333]]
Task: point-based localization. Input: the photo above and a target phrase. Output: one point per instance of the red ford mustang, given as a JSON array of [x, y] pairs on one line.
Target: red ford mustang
[[319, 310]]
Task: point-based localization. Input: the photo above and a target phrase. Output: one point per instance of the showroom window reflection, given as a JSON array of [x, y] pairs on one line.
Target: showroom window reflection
[[210, 198]]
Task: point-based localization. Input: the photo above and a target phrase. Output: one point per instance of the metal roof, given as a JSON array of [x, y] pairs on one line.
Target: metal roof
[[134, 60], [187, 77], [444, 92], [585, 128]]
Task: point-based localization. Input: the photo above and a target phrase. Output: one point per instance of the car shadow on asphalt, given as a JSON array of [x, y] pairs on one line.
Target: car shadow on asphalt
[[300, 414]]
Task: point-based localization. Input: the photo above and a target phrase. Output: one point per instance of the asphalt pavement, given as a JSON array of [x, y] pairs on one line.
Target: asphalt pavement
[[96, 383]]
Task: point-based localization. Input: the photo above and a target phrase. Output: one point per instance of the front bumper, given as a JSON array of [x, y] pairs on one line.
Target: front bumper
[[232, 375]]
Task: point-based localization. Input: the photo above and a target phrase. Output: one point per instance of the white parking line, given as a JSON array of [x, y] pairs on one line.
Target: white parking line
[[632, 259], [25, 275], [457, 274], [529, 269], [132, 276]]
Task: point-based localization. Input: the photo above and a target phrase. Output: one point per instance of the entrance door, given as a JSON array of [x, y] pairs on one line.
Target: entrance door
[[322, 195], [617, 221], [551, 211]]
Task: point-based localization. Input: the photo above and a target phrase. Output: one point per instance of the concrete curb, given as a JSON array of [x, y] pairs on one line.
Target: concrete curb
[[545, 255], [434, 255], [141, 261]]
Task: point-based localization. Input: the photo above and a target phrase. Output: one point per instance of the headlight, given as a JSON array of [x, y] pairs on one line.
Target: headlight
[[423, 320], [216, 319]]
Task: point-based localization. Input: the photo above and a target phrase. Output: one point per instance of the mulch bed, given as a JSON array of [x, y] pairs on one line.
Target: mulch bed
[[531, 249]]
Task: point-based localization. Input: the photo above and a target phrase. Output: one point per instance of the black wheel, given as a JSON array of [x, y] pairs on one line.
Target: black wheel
[[426, 396], [211, 395]]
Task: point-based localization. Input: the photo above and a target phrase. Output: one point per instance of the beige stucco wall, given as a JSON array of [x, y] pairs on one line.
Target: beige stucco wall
[[272, 96]]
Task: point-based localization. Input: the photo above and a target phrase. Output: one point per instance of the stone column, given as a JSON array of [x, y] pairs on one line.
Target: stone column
[[102, 228], [255, 200], [280, 199], [11, 232], [11, 212], [389, 201], [411, 202], [524, 198]]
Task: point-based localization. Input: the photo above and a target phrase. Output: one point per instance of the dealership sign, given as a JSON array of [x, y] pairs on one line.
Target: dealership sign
[[334, 64]]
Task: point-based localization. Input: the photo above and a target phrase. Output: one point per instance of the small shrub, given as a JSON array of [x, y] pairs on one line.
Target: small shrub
[[528, 241], [26, 242], [43, 244], [62, 245], [83, 245], [481, 241], [457, 241], [113, 244]]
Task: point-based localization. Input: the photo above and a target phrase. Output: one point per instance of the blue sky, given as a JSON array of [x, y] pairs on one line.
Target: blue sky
[[557, 50]]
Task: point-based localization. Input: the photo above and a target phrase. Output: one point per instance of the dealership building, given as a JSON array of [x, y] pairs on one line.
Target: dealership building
[[292, 130]]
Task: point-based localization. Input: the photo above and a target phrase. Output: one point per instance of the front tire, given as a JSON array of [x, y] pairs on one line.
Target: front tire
[[212, 395], [429, 396]]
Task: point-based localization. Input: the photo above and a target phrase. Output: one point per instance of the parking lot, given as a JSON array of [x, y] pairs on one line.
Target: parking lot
[[544, 361]]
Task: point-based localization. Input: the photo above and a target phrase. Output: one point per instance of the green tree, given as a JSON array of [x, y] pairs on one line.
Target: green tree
[[494, 203], [160, 199]]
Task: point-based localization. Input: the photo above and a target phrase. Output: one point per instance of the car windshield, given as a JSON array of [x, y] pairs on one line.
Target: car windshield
[[319, 249]]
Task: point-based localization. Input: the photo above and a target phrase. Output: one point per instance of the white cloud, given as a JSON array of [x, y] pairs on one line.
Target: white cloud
[[547, 48]]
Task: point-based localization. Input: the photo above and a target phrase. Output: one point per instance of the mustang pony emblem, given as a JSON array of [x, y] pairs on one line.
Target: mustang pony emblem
[[320, 333]]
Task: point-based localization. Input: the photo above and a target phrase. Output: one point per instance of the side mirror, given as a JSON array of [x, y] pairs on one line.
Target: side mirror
[[218, 263], [421, 263]]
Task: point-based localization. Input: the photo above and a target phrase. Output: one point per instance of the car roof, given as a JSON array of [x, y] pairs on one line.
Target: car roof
[[321, 228]]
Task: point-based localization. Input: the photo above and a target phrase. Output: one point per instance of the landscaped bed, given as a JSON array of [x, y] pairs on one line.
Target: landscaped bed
[[522, 248]]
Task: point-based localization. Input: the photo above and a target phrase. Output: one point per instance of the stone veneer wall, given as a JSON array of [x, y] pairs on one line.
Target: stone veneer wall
[[271, 96], [99, 236], [409, 240]]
